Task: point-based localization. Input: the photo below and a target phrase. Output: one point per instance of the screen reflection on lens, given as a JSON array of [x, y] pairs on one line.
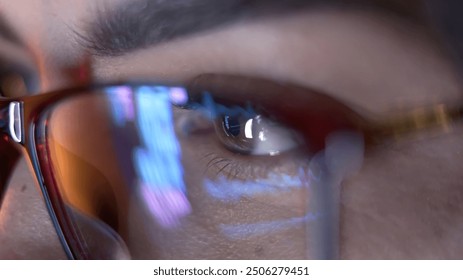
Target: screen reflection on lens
[[157, 160]]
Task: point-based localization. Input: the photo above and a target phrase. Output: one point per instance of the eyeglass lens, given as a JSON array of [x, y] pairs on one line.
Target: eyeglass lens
[[161, 172]]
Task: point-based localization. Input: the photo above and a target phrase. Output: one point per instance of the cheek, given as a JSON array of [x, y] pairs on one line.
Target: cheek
[[26, 230], [406, 202]]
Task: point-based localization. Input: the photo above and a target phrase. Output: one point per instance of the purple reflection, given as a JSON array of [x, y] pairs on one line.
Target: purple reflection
[[178, 95], [121, 102], [158, 160], [167, 205]]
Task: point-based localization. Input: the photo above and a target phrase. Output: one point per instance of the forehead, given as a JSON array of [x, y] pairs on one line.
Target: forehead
[[163, 19], [358, 55]]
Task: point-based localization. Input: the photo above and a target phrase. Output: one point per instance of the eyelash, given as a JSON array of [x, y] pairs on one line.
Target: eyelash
[[221, 165]]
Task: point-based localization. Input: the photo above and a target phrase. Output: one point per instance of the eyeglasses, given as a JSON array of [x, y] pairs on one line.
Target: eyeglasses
[[210, 169]]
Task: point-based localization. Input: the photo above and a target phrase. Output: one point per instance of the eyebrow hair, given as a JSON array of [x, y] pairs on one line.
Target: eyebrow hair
[[142, 23]]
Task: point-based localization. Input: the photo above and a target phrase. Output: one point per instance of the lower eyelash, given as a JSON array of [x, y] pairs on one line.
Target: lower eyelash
[[241, 169], [220, 165]]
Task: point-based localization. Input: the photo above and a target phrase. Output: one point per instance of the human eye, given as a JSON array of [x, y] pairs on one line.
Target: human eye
[[253, 116], [241, 130], [246, 156], [239, 145]]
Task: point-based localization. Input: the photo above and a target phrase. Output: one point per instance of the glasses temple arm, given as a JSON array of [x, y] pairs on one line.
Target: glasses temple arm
[[404, 125]]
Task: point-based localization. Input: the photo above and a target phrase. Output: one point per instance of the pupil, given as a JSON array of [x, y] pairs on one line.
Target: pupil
[[231, 126]]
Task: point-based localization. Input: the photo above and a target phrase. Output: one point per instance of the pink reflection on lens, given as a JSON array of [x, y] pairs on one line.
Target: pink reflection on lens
[[178, 95], [125, 94], [122, 104], [167, 206]]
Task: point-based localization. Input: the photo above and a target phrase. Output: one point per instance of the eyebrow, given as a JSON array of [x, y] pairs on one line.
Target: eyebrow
[[138, 24]]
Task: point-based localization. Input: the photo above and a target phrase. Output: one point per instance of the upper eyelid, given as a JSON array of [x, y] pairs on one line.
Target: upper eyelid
[[395, 126]]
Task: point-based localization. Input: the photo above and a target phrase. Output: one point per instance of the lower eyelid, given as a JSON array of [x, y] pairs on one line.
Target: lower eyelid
[[242, 169], [217, 160]]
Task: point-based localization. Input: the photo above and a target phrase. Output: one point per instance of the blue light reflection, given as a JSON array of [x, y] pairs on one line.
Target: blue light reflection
[[245, 231], [232, 190], [157, 159]]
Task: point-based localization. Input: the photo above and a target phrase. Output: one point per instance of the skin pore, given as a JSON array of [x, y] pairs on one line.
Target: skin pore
[[406, 201]]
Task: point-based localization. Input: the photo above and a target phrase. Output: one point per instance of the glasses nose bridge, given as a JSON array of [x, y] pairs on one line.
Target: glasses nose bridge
[[11, 120]]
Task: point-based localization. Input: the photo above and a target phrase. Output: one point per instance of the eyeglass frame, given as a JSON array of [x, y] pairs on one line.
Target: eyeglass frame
[[19, 118]]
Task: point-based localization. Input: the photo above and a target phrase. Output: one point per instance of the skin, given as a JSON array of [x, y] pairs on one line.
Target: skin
[[407, 199]]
